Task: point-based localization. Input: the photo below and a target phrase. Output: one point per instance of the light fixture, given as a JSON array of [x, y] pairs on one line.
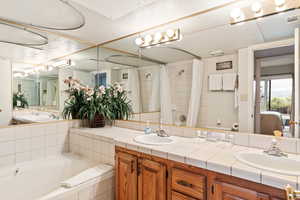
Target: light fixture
[[236, 13], [139, 41], [279, 3], [256, 7], [148, 39], [170, 33], [62, 63], [158, 38], [260, 8]]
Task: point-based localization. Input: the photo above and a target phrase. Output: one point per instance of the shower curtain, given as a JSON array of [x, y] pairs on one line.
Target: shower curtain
[[134, 90], [51, 93], [154, 99], [197, 82], [165, 97]]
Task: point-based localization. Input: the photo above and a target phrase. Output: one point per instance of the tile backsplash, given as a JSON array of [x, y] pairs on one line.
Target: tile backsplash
[[33, 141], [290, 145]]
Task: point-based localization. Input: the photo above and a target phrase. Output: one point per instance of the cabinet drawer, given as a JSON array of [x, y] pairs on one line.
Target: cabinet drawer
[[178, 196], [188, 183]]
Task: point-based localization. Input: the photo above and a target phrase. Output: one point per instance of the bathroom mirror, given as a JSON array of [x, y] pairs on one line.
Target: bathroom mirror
[[39, 91], [208, 76], [140, 77]]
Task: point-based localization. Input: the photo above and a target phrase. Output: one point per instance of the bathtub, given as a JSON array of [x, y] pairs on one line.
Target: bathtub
[[41, 180]]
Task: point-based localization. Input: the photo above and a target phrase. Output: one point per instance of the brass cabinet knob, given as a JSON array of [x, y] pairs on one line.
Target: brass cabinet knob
[[291, 193]]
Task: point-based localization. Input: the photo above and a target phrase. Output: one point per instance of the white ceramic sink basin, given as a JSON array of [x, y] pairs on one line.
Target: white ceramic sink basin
[[280, 165], [153, 139]]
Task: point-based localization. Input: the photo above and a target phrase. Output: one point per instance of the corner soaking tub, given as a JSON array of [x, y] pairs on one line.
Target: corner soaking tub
[[42, 180]]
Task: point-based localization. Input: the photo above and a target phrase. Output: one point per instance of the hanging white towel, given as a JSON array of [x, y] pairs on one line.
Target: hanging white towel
[[215, 82], [229, 81]]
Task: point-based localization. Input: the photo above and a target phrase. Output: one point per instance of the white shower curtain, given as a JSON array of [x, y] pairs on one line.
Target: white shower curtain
[[134, 90], [51, 93], [197, 82], [165, 97], [154, 99]]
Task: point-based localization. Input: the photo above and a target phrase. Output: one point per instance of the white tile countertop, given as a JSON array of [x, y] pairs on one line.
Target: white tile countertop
[[214, 156]]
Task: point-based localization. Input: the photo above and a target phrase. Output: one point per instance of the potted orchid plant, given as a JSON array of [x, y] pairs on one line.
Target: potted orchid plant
[[77, 95], [96, 105], [19, 100]]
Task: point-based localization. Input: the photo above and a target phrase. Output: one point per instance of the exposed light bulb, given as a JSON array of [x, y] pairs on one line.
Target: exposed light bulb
[[256, 7], [170, 33], [139, 41], [50, 68], [279, 3], [236, 13], [148, 39], [157, 37]]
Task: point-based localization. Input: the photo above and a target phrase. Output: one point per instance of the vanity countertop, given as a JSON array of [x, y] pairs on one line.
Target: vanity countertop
[[214, 156]]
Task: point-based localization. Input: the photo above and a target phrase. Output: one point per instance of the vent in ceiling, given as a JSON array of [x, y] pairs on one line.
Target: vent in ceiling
[[293, 19]]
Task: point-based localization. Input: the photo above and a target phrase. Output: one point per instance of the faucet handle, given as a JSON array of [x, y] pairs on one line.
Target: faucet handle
[[274, 142]]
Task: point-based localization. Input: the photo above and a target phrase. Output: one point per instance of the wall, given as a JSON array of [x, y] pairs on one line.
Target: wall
[[180, 87], [62, 75], [219, 105], [5, 92], [85, 78], [244, 112], [35, 141]]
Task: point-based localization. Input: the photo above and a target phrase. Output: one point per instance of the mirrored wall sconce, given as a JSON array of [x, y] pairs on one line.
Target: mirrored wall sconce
[[262, 8], [159, 38]]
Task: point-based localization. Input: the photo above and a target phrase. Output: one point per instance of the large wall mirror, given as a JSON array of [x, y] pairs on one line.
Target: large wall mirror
[[220, 76]]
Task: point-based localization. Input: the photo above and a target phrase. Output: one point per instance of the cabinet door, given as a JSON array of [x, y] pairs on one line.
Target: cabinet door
[[152, 180], [126, 176], [226, 191]]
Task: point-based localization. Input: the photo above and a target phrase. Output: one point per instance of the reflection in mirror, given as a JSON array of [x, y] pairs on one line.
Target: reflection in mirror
[[35, 94], [139, 76], [207, 75]]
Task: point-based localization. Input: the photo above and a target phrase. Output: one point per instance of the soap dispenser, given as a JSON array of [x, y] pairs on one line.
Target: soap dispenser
[[148, 129]]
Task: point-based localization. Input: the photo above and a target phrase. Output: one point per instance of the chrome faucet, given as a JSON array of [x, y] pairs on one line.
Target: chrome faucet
[[274, 149], [160, 132]]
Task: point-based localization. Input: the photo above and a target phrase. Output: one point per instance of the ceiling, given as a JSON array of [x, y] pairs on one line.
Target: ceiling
[[107, 20], [225, 37]]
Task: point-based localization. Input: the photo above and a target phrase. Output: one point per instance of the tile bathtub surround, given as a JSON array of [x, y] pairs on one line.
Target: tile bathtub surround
[[101, 189], [93, 148], [289, 145], [33, 141], [215, 156]]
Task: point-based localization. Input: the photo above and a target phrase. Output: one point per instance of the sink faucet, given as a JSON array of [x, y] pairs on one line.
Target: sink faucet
[[274, 149], [160, 132]]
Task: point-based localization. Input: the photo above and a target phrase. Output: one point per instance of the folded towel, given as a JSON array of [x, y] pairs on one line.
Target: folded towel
[[229, 81], [87, 175], [215, 82]]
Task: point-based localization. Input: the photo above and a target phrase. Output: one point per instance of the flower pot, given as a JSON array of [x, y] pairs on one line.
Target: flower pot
[[98, 122]]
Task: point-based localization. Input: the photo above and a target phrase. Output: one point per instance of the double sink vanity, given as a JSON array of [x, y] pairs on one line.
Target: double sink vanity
[[178, 168]]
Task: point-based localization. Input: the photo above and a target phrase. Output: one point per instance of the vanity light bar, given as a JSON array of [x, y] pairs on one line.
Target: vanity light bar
[[262, 8], [158, 38], [62, 63]]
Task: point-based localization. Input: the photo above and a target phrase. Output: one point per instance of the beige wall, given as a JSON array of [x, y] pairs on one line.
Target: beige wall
[[219, 105]]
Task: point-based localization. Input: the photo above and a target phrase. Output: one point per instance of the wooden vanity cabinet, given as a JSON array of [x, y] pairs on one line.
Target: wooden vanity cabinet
[[126, 176], [226, 191], [141, 176], [152, 182]]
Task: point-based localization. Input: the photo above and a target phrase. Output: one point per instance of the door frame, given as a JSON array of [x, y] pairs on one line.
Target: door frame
[[251, 64]]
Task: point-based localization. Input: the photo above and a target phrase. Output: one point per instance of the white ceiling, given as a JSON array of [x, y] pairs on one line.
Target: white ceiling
[[114, 9], [107, 20]]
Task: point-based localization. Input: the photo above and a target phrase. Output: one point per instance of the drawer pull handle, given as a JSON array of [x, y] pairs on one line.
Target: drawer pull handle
[[184, 183]]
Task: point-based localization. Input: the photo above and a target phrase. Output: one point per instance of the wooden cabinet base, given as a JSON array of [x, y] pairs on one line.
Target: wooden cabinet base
[[148, 177]]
